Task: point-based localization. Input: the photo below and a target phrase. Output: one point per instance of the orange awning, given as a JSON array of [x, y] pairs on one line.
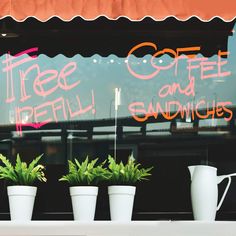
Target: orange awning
[[135, 10]]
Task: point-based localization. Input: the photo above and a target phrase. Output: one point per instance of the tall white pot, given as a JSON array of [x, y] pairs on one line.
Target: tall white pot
[[21, 202], [121, 200], [84, 199]]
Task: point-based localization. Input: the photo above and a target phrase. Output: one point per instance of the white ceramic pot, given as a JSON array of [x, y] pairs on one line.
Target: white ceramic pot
[[121, 200], [84, 199], [21, 202]]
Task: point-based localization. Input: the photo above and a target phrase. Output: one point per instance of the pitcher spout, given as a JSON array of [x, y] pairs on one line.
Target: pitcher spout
[[191, 170]]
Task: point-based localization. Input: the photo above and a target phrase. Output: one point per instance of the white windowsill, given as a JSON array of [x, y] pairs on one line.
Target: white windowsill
[[108, 228]]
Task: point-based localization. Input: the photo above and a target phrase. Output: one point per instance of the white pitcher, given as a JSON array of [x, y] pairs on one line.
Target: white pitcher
[[204, 191]]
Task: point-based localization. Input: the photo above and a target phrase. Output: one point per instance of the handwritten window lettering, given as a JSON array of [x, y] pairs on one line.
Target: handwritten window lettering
[[38, 90], [194, 61], [45, 83]]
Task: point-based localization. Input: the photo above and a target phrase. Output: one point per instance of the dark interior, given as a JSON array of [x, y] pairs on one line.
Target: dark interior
[[105, 37], [167, 195]]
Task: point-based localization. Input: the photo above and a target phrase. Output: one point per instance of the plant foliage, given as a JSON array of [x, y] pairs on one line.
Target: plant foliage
[[85, 173], [21, 173], [127, 174]]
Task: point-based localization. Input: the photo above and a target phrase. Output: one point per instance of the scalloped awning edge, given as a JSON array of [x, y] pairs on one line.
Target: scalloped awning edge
[[134, 10], [137, 20]]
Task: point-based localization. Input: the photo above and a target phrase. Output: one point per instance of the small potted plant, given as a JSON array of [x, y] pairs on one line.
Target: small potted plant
[[83, 179], [21, 192], [122, 191]]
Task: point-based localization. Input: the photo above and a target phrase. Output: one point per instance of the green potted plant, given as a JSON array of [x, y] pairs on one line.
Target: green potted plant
[[123, 178], [83, 178], [21, 178]]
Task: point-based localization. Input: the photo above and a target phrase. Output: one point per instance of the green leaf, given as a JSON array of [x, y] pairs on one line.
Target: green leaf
[[21, 173], [86, 172], [129, 173]]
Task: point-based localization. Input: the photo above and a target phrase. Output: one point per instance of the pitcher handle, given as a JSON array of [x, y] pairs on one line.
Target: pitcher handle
[[220, 178]]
